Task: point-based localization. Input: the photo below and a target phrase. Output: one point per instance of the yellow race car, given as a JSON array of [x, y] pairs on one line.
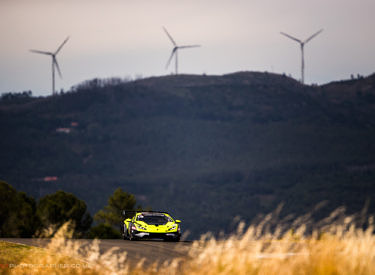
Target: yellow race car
[[151, 225]]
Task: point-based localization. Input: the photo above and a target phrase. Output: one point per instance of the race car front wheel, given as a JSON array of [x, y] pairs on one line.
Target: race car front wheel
[[125, 233], [131, 237]]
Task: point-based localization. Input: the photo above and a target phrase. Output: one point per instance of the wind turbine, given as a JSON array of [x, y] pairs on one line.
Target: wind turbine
[[175, 50], [54, 62], [302, 43]]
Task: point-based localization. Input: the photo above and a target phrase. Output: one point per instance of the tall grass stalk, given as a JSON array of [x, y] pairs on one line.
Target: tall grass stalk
[[339, 247]]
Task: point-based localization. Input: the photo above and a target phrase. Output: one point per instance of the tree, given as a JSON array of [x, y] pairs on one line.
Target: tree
[[112, 213], [56, 209], [104, 231], [17, 213]]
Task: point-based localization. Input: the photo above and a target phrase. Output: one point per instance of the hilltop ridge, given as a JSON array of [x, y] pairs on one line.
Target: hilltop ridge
[[200, 146]]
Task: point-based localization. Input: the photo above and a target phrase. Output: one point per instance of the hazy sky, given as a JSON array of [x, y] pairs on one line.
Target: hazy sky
[[122, 38]]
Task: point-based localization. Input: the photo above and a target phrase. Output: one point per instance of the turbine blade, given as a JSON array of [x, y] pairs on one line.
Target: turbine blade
[[311, 37], [170, 58], [57, 66], [291, 37], [62, 44], [41, 52], [170, 37], [189, 46]]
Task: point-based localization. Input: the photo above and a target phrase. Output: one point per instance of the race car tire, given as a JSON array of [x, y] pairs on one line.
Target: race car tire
[[132, 238], [125, 233]]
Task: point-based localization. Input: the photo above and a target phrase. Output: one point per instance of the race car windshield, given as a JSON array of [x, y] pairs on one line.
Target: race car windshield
[[154, 219]]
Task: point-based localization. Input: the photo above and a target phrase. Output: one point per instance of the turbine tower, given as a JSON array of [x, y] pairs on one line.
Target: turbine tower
[[302, 44], [54, 62], [175, 50]]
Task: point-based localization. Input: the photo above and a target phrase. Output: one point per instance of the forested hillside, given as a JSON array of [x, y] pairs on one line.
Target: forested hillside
[[205, 148]]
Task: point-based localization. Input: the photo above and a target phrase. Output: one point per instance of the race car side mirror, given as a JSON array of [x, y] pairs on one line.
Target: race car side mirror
[[128, 220], [178, 221]]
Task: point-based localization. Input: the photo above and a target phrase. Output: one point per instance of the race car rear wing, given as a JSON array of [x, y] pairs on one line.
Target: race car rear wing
[[131, 213]]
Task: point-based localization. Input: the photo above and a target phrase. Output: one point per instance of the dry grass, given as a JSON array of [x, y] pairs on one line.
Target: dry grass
[[343, 248], [13, 253]]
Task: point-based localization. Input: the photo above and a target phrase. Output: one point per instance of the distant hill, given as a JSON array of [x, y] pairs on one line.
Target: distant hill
[[205, 148]]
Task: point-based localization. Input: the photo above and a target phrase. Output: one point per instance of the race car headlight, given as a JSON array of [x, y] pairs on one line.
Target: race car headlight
[[140, 227], [173, 227]]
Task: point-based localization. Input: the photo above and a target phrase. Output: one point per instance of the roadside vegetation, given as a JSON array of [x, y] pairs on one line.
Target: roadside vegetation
[[337, 246], [110, 219], [17, 213], [22, 259], [23, 216], [11, 253]]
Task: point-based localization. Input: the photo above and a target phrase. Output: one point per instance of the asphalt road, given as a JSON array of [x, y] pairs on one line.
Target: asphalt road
[[152, 251]]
